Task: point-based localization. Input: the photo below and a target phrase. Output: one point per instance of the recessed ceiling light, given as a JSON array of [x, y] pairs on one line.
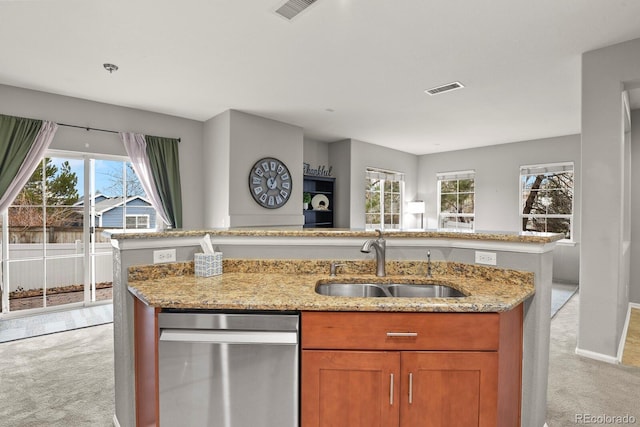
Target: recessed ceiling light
[[444, 88], [110, 67]]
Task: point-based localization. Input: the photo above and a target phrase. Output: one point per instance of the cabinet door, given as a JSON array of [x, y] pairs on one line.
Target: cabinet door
[[449, 389], [350, 388]]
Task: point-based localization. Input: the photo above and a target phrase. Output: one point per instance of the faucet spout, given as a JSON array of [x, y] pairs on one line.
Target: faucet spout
[[379, 245]]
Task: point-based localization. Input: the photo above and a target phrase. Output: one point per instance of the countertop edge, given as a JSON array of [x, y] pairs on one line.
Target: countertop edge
[[514, 237]]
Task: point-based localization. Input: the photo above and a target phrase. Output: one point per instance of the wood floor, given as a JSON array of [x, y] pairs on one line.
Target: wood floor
[[631, 353]]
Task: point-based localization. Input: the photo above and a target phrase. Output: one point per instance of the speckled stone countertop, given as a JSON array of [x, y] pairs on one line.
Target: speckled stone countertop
[[290, 285], [520, 237]]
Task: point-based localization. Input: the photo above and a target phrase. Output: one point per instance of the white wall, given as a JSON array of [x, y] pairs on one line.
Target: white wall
[[63, 109], [604, 257], [497, 182]]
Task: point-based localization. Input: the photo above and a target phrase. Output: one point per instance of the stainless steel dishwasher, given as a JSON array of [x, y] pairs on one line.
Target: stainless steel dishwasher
[[228, 370]]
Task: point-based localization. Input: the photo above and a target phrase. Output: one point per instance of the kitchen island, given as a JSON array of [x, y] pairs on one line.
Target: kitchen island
[[513, 251]]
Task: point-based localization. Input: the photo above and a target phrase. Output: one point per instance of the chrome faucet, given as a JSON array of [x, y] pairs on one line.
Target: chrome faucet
[[380, 246]]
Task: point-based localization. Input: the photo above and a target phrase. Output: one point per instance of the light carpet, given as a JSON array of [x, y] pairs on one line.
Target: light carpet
[[580, 387], [58, 380]]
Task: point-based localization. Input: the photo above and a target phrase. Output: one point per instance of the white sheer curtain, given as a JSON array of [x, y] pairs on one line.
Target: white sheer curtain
[[136, 147], [35, 155]]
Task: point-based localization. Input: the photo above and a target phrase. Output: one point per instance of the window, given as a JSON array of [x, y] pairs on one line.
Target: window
[[456, 200], [383, 199], [52, 248], [137, 221], [546, 198]]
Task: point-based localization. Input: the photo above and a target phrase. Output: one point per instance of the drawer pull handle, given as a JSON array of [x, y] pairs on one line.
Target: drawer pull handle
[[410, 388], [391, 391], [402, 334]]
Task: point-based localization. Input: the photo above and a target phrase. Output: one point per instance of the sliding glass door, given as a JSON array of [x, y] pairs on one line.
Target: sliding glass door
[[54, 252]]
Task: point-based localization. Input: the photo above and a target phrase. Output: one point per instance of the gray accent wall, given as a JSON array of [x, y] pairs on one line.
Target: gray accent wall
[[316, 153], [64, 109], [215, 172], [244, 139], [606, 249], [350, 159], [497, 179], [340, 159]]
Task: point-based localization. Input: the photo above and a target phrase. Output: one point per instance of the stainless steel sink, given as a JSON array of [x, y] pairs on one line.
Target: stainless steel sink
[[350, 290], [423, 291], [402, 290]]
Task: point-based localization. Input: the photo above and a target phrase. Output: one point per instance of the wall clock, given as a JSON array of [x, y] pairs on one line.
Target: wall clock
[[270, 183]]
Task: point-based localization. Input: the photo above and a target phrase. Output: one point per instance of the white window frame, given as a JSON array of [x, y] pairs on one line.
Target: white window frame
[[546, 168], [450, 176], [385, 175], [137, 216]]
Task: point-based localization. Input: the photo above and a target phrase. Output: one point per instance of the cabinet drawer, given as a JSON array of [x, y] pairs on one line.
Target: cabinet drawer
[[400, 331]]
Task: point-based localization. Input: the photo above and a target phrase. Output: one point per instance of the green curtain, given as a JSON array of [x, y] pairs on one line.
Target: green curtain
[[165, 169], [17, 135]]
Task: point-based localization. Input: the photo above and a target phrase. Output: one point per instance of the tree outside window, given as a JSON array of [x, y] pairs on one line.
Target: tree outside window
[[47, 199], [547, 198], [456, 200]]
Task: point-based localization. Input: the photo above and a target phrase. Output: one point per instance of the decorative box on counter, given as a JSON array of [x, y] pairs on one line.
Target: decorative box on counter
[[207, 265]]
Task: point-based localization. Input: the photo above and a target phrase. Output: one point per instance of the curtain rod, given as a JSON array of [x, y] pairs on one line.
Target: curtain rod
[[96, 129]]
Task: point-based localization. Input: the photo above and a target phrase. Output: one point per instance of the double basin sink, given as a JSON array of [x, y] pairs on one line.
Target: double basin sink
[[373, 290]]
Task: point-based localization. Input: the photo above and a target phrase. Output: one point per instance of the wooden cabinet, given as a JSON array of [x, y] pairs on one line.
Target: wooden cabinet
[[350, 388], [349, 364], [448, 389], [322, 215]]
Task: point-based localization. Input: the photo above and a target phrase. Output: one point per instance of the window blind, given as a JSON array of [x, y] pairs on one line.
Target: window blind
[[387, 175], [449, 176], [544, 169]]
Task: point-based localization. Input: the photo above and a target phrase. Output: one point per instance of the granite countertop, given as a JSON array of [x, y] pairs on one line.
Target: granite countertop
[[290, 285], [520, 237]]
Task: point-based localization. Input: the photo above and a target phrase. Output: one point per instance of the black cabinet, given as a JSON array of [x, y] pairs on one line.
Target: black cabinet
[[319, 213]]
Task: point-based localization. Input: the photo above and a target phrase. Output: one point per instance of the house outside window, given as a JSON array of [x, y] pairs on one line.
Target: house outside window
[[546, 198], [384, 194], [456, 200], [137, 221]]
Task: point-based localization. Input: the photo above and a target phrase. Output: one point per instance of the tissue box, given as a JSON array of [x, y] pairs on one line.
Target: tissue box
[[207, 265]]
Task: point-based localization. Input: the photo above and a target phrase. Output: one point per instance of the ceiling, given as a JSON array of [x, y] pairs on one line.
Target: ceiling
[[341, 69]]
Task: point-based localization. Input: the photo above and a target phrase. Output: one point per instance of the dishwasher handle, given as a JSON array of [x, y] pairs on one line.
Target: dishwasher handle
[[228, 337]]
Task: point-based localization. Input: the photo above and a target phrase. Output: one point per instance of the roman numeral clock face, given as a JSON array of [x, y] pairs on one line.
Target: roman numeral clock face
[[270, 183]]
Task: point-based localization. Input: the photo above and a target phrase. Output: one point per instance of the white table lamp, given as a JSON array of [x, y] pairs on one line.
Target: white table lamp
[[417, 207]]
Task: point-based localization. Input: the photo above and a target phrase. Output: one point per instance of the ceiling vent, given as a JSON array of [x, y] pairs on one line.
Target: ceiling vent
[[292, 8], [444, 88]]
